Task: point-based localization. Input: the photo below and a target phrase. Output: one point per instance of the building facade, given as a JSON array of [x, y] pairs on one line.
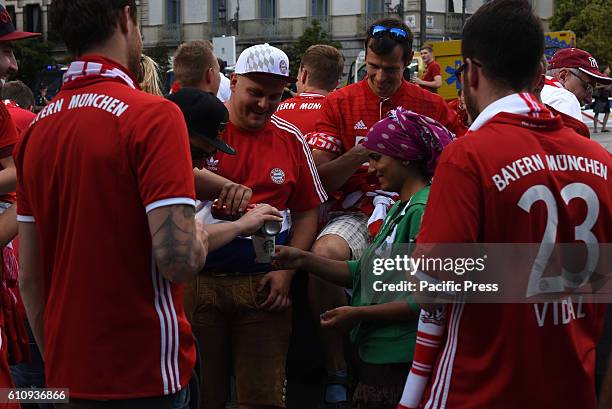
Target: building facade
[[279, 22]]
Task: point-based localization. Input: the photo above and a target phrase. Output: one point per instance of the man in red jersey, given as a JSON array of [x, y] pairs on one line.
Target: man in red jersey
[[19, 101], [242, 310], [320, 68], [106, 222], [432, 78], [8, 138], [8, 65], [507, 356], [346, 116], [196, 66]]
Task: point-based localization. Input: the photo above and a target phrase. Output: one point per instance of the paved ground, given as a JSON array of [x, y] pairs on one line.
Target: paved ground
[[605, 138]]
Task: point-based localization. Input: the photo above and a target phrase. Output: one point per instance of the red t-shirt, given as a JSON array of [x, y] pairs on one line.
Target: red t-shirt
[[8, 139], [432, 69], [21, 117], [96, 160], [301, 110], [348, 114], [275, 163], [508, 356]]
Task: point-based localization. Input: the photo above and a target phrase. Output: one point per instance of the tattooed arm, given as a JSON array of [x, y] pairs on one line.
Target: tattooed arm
[[180, 243]]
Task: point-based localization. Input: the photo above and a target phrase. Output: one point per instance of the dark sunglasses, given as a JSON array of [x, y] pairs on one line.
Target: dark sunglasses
[[462, 67], [397, 34], [199, 154]]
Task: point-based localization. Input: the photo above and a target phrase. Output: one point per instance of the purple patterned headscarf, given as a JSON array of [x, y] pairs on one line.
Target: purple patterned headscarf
[[406, 135]]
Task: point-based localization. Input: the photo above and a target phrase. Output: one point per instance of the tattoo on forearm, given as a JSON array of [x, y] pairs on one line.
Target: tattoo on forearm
[[174, 239]]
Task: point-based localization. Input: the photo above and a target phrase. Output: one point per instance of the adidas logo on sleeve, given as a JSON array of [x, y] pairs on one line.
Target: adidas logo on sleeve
[[360, 125]]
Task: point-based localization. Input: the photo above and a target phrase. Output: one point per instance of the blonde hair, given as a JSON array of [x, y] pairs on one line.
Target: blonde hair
[[324, 64], [191, 60], [148, 76]]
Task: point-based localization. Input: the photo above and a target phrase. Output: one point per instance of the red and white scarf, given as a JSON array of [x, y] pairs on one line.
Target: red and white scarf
[[553, 82], [97, 66], [518, 104]]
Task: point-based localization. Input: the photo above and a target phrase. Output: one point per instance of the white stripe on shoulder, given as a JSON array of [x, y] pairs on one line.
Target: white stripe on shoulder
[[169, 202], [276, 120], [311, 165], [25, 219]]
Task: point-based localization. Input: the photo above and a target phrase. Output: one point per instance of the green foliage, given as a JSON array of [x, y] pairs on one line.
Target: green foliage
[[311, 36], [32, 56], [161, 55], [590, 20]]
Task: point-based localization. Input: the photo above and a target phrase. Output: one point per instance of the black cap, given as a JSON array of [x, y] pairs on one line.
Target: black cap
[[204, 114], [7, 29]]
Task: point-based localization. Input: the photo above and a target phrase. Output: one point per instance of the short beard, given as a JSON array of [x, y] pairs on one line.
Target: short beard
[[134, 64], [470, 102]]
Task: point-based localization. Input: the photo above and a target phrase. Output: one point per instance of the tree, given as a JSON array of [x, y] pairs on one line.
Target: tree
[[311, 36], [32, 55], [589, 19]]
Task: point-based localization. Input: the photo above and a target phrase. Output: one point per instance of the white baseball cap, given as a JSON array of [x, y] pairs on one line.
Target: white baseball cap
[[264, 59]]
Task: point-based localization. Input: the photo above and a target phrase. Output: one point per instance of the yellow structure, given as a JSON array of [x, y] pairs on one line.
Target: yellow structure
[[448, 55], [555, 40]]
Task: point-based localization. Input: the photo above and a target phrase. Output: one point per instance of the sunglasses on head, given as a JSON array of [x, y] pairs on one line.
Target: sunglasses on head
[[397, 34]]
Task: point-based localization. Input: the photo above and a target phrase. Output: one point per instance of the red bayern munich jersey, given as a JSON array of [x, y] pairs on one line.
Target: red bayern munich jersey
[[96, 160], [21, 117], [302, 110], [8, 139], [508, 356], [349, 113], [275, 163]]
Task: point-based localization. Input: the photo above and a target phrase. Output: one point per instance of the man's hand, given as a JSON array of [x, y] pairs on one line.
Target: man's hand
[[235, 196], [288, 258], [279, 283], [416, 80], [359, 151], [254, 219], [343, 318]]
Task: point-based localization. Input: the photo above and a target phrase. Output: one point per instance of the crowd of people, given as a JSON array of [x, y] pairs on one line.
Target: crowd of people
[[143, 274]]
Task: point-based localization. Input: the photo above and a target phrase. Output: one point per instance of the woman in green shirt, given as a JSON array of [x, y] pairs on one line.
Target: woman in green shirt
[[404, 148]]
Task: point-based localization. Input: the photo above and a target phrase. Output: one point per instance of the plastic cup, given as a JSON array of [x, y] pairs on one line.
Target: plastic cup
[[264, 247]]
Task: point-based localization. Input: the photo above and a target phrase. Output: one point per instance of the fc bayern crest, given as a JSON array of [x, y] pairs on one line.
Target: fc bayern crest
[[282, 65], [277, 175]]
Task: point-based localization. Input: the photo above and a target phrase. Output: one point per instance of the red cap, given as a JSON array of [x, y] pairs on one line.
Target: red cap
[[7, 29], [580, 59], [577, 58]]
